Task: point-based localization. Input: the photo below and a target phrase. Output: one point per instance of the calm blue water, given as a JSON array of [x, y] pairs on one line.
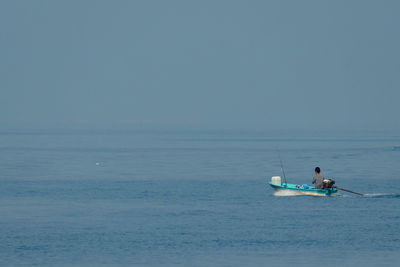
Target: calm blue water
[[195, 199]]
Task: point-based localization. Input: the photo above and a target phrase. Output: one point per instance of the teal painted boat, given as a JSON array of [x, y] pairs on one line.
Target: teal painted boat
[[286, 189], [298, 190]]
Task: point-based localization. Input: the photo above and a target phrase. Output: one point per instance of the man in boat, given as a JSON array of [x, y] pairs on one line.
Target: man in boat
[[318, 178]]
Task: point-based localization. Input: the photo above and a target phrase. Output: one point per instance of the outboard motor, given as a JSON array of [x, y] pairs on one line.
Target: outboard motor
[[328, 183]]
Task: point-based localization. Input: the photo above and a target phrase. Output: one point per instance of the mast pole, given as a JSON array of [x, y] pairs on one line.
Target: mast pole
[[283, 170]]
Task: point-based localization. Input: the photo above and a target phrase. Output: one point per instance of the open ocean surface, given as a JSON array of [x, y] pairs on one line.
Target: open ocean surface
[[153, 198]]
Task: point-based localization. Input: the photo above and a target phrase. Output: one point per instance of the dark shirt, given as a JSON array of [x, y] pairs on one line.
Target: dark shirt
[[317, 180]]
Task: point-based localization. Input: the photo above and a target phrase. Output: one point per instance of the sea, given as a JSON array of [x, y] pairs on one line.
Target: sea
[[196, 198]]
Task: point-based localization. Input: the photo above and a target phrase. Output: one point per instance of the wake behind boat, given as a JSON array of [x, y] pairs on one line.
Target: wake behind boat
[[286, 189]]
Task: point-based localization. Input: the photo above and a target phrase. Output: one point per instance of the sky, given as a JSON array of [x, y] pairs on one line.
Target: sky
[[212, 64]]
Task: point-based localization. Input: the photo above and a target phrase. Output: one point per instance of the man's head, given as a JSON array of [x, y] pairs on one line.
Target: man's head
[[317, 170]]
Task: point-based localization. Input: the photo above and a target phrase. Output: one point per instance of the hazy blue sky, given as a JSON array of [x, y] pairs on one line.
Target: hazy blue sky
[[243, 64]]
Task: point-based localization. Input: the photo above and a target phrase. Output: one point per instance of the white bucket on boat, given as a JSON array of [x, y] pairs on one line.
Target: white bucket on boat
[[276, 180]]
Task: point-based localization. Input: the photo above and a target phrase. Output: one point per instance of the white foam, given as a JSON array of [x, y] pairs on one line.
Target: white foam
[[382, 195], [287, 193]]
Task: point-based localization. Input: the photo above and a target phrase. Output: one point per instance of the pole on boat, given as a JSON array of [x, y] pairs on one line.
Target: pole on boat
[[347, 190], [283, 170]]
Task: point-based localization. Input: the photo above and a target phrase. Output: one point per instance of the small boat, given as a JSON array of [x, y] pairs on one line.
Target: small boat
[[286, 189]]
